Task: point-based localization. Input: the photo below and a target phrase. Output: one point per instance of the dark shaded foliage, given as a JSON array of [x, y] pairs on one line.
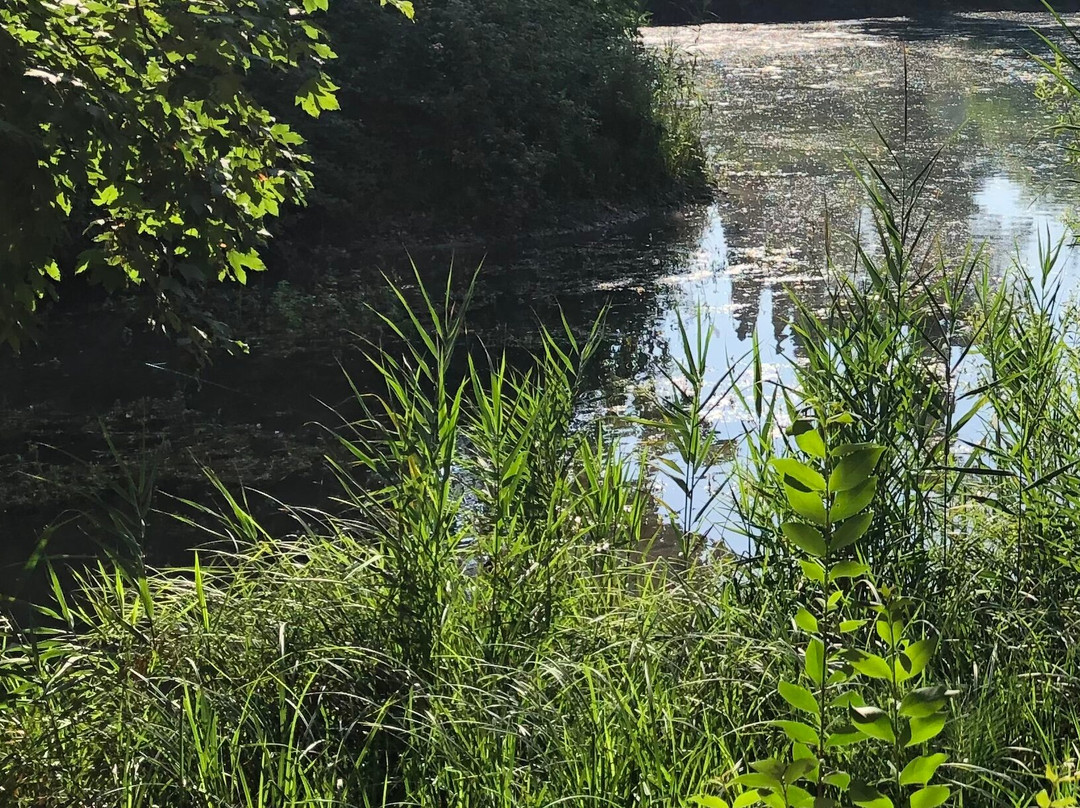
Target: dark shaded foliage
[[480, 113]]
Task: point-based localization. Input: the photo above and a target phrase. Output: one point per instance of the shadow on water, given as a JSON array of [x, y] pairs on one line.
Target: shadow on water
[[790, 104]]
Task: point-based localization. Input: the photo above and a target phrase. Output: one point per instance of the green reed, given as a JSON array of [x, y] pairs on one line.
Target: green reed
[[478, 620]]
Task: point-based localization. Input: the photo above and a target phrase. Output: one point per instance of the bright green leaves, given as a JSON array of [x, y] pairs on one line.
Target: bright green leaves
[[922, 730], [240, 262], [808, 438], [930, 797], [806, 538], [806, 621], [807, 504], [815, 660], [149, 128], [773, 782], [919, 771], [870, 665], [1055, 796], [799, 732], [847, 569], [857, 646], [925, 701], [873, 722], [852, 500], [854, 469], [866, 796], [800, 473], [889, 632], [913, 659], [911, 718], [798, 697], [851, 531], [404, 6], [707, 801], [317, 95], [812, 570], [106, 196]]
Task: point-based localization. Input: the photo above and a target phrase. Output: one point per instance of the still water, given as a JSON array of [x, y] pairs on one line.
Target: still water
[[796, 109], [790, 108]]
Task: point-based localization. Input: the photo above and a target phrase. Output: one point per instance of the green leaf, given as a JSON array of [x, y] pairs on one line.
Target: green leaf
[[800, 751], [746, 799], [848, 626], [808, 439], [924, 701], [854, 469], [867, 796], [848, 503], [921, 770], [805, 537], [1043, 799], [813, 570], [847, 448], [758, 780], [870, 665], [914, 659], [707, 801], [806, 621], [840, 780], [930, 797], [873, 721], [798, 697], [850, 531], [800, 472], [837, 676], [798, 731], [798, 769], [844, 736], [890, 633], [815, 660], [799, 797], [806, 504], [774, 767], [106, 196], [849, 698], [923, 729], [847, 569]]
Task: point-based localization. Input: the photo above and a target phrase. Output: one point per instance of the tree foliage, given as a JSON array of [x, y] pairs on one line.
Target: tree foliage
[[134, 153], [486, 113]]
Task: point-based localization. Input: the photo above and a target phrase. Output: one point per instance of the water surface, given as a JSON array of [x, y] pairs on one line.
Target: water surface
[[790, 107]]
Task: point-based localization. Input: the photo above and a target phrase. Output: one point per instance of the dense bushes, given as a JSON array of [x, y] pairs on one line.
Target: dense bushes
[[481, 112]]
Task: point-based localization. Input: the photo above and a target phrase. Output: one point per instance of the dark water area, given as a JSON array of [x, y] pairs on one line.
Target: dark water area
[[789, 104]]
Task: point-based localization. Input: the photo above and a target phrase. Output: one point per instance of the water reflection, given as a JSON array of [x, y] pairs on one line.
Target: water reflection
[[790, 104]]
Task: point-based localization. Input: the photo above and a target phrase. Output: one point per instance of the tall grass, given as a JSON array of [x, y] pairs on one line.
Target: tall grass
[[477, 621]]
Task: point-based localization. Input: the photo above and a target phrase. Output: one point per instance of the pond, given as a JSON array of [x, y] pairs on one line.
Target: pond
[[789, 107]]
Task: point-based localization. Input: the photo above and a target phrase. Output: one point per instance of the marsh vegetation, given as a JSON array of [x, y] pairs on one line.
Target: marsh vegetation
[[845, 574]]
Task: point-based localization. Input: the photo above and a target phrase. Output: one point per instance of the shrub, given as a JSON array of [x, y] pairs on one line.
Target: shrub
[[484, 112]]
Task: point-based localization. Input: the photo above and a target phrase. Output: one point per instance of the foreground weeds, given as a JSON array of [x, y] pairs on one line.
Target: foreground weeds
[[480, 621]]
